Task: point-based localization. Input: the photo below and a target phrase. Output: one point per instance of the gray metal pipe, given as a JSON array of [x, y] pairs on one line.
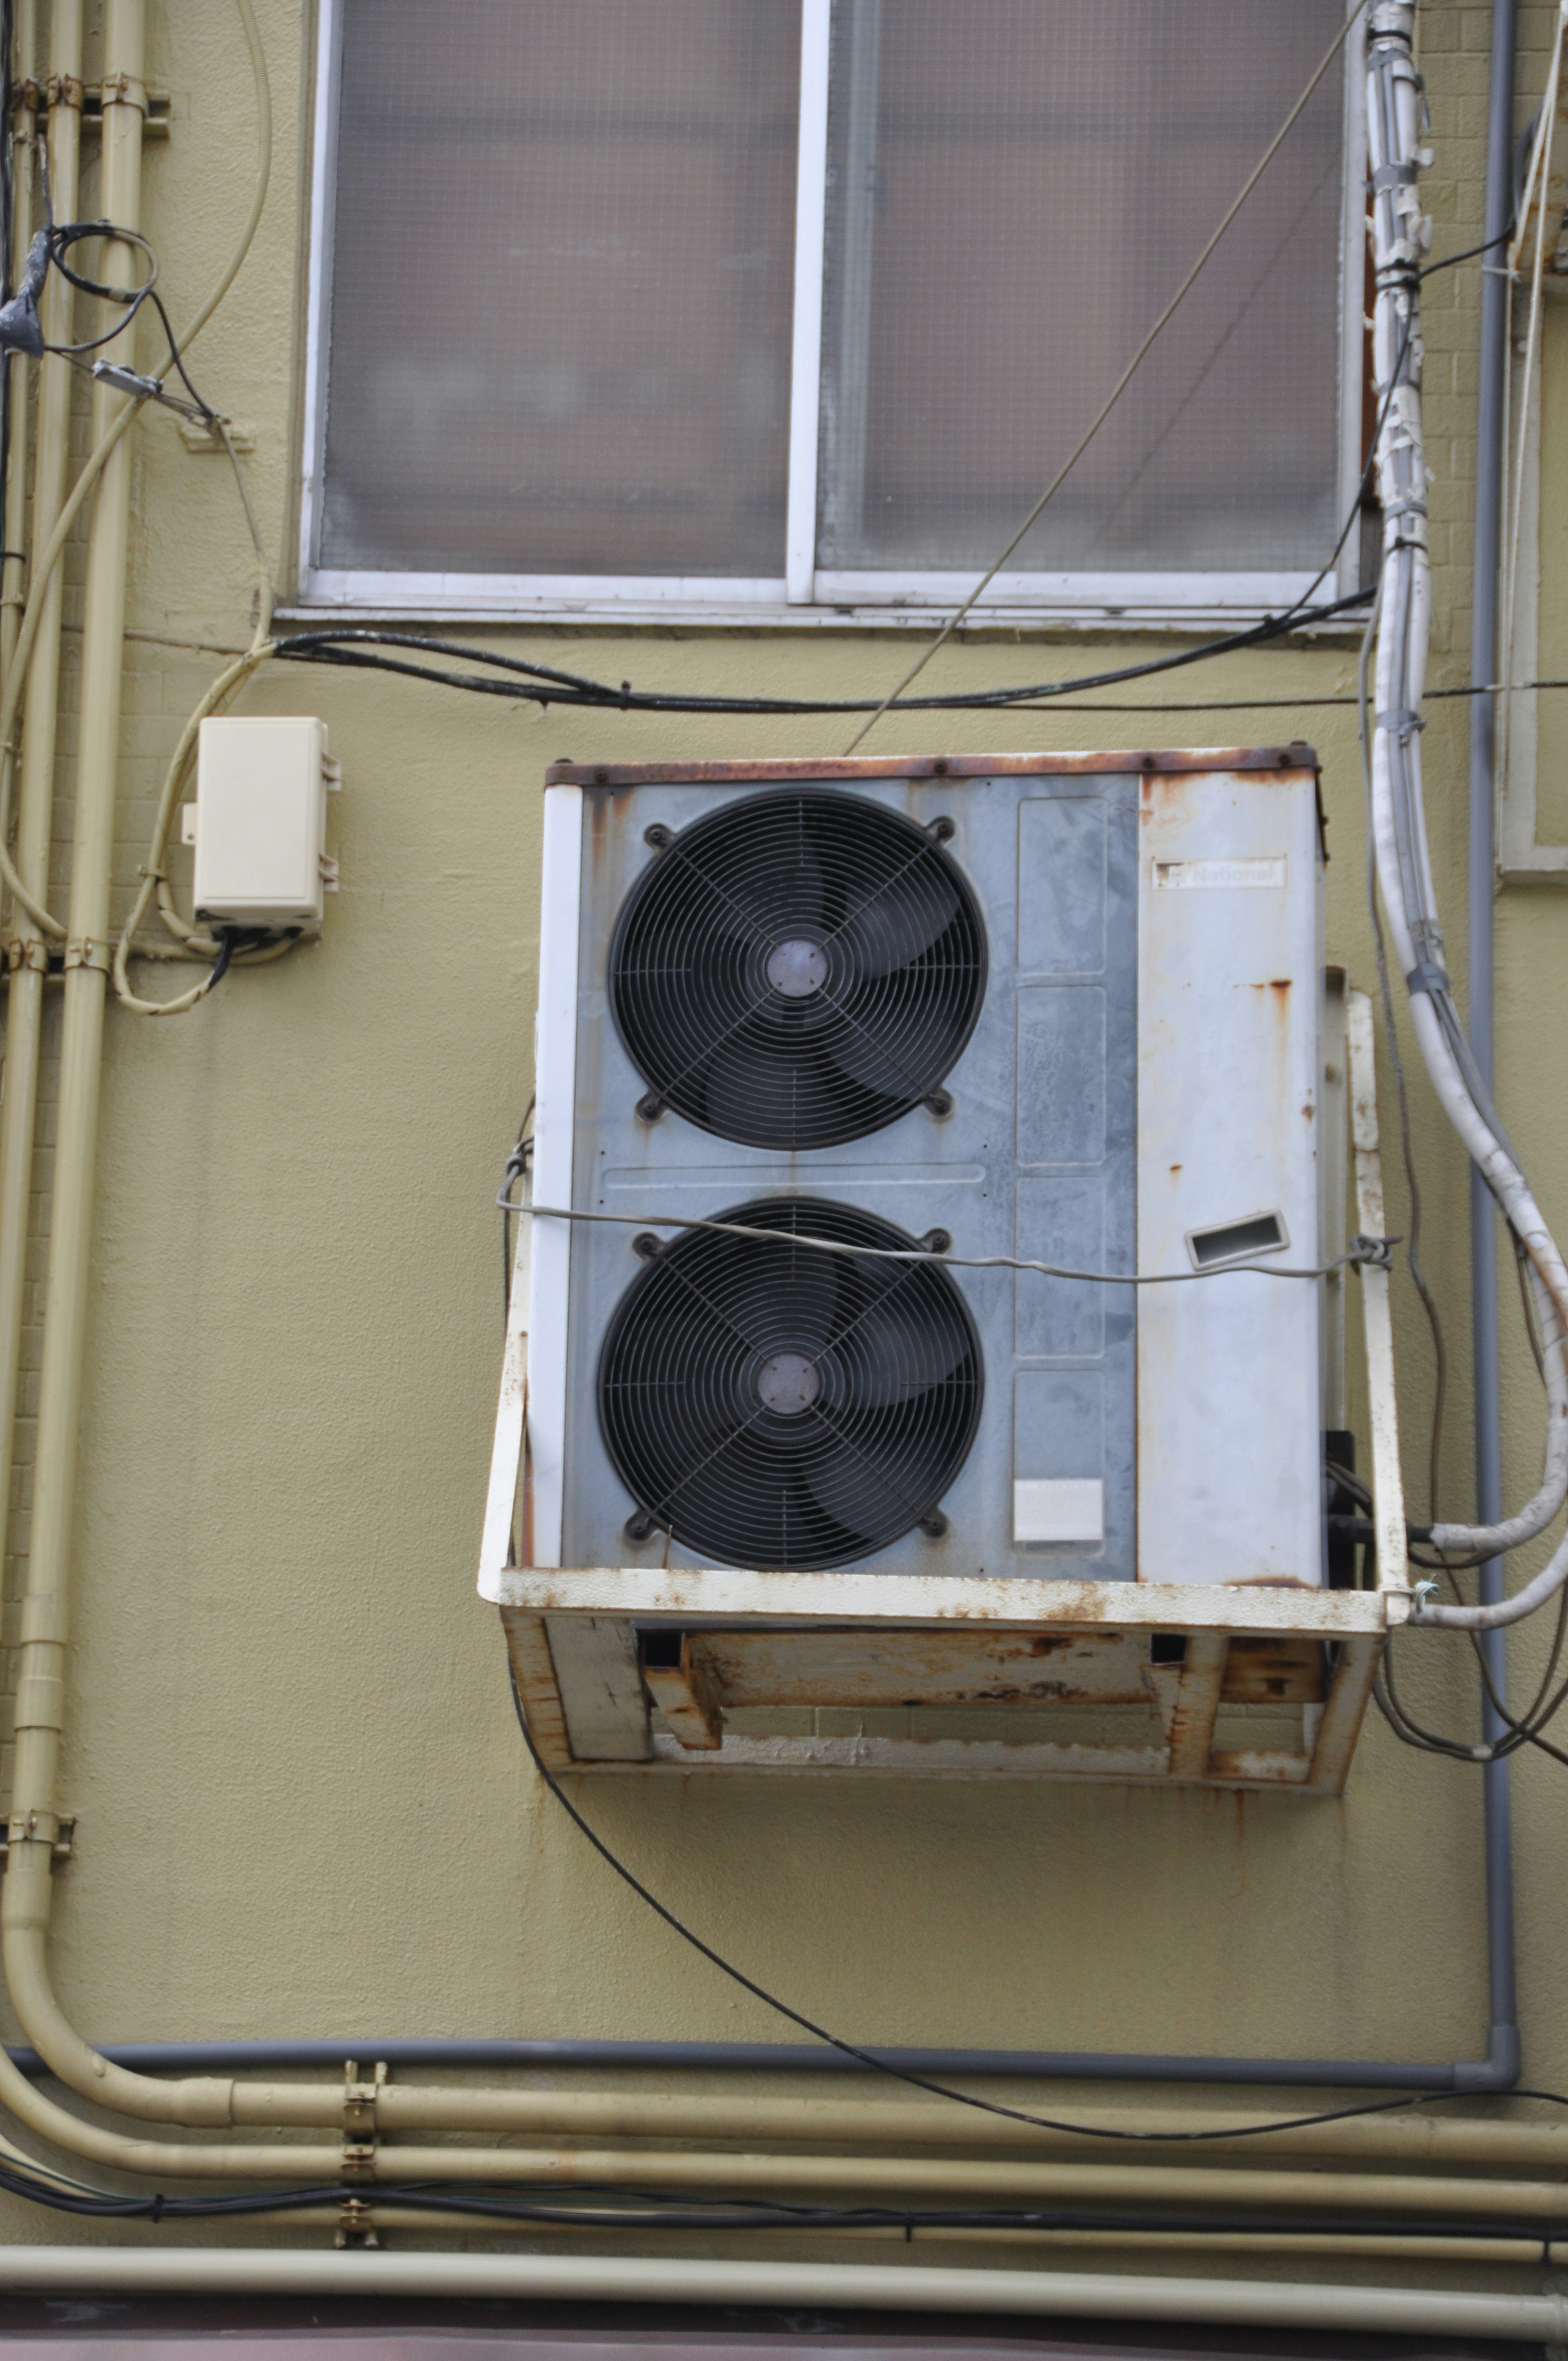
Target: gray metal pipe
[[1494, 2073], [1490, 421]]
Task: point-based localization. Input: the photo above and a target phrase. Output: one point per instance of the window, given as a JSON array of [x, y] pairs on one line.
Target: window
[[752, 304]]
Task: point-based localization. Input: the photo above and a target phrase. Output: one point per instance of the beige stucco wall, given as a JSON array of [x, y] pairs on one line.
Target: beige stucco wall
[[302, 1804]]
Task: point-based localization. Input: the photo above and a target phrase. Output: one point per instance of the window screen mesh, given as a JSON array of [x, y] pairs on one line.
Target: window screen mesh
[[561, 287], [1016, 190]]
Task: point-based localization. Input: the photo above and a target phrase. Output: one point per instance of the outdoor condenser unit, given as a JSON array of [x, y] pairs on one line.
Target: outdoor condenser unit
[[1055, 1009]]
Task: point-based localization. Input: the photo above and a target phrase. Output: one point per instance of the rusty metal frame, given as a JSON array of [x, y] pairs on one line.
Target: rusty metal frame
[[1297, 756], [573, 1633]]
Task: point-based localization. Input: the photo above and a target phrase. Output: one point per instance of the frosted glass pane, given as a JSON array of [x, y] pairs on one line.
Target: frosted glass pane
[[1016, 190], [562, 277]]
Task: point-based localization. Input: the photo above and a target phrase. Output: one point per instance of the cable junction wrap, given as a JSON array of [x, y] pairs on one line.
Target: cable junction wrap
[[1399, 834]]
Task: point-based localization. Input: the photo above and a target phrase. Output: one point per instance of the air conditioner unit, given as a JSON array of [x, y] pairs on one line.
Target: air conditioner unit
[[1058, 1009]]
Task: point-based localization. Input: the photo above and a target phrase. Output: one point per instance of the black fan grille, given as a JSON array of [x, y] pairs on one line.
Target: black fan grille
[[773, 1406], [798, 969]]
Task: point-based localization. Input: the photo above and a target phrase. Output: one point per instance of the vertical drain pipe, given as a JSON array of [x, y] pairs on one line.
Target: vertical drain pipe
[[1504, 2041], [41, 1687], [17, 67], [27, 948]]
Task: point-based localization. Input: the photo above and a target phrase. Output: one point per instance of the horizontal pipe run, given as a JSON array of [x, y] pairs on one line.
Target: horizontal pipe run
[[409, 2108], [895, 2287], [741, 2057], [385, 2215], [945, 2179]]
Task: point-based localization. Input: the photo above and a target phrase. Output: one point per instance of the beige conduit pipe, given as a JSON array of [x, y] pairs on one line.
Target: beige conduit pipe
[[45, 1614], [23, 178], [382, 2214], [27, 949], [647, 2279]]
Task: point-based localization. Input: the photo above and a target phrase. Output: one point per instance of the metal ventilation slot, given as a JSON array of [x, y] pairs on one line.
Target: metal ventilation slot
[[1238, 1241], [797, 970], [774, 1406]]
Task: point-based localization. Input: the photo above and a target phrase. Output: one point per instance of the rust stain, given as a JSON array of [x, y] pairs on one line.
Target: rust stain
[[1151, 762]]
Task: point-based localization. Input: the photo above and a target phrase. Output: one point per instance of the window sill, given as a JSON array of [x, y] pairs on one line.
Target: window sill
[[1215, 612]]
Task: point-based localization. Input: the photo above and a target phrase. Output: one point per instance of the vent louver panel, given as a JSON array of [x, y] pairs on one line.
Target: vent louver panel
[[797, 970], [771, 1405]]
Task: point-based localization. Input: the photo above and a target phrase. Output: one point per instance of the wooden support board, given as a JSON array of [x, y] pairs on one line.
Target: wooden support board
[[625, 1670]]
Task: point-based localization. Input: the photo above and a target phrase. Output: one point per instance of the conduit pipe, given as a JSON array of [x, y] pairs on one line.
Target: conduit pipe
[[45, 1628], [17, 69], [891, 2287], [27, 950], [1368, 2245]]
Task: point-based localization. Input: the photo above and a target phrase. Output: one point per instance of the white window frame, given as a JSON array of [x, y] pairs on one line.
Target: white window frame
[[804, 593]]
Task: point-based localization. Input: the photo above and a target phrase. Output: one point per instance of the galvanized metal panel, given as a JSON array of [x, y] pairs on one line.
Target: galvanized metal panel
[[1060, 1113], [1228, 1122], [1035, 1159]]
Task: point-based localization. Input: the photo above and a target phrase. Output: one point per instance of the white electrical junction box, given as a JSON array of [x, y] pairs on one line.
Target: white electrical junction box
[[258, 823]]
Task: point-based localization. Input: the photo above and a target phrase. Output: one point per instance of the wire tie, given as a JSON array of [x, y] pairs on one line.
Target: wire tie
[[1420, 1592], [1365, 1253], [1428, 976]]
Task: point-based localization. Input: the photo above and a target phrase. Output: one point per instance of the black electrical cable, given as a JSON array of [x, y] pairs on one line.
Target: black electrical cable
[[351, 647], [1466, 254], [228, 937], [869, 2060], [618, 2208]]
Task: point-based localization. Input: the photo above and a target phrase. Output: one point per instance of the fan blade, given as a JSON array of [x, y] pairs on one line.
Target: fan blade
[[898, 1350], [898, 924], [849, 1489], [872, 1063]]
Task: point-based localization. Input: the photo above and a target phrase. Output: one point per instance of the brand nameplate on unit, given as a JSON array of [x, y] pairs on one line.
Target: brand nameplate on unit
[[1182, 877]]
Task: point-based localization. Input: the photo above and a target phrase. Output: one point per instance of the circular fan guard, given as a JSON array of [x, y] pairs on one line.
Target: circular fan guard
[[798, 969], [773, 1406]]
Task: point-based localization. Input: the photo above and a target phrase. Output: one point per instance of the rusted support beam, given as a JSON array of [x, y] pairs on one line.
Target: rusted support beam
[[1343, 1715], [1197, 1702]]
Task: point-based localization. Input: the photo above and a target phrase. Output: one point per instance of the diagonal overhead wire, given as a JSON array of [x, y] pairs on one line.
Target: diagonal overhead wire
[[1114, 395]]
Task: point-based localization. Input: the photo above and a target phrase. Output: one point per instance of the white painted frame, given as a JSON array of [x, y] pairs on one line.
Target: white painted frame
[[555, 1122], [800, 594]]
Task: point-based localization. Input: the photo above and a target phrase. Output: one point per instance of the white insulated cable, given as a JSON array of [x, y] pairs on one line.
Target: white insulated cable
[[1400, 835]]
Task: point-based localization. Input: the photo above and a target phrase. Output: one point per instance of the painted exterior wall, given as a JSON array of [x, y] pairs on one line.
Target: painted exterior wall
[[303, 1808]]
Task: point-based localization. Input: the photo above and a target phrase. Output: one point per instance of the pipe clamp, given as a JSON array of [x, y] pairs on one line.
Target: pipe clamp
[[80, 950], [361, 2134], [57, 1829]]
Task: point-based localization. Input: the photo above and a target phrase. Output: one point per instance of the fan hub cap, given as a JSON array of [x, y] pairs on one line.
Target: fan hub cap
[[798, 967], [788, 1384]]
